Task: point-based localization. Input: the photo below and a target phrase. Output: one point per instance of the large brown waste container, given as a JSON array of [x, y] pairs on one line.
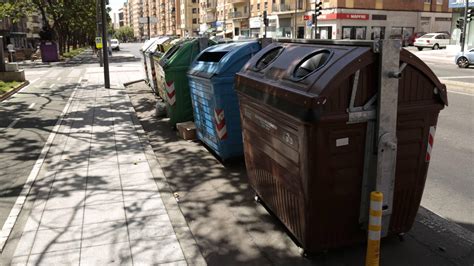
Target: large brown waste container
[[306, 154]]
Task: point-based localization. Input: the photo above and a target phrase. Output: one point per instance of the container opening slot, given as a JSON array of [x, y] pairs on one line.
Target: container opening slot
[[172, 51], [268, 58], [311, 63], [211, 56]]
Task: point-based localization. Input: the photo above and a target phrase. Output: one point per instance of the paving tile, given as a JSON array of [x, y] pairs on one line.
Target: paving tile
[[103, 172], [140, 192], [155, 251], [131, 157], [104, 196], [104, 233], [59, 218], [138, 167], [66, 198], [62, 257], [175, 263], [57, 239], [104, 213], [149, 227], [25, 244], [109, 254], [136, 179], [144, 207]]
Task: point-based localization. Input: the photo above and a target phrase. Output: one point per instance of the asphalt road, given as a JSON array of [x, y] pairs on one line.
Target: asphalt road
[[26, 120], [450, 184]]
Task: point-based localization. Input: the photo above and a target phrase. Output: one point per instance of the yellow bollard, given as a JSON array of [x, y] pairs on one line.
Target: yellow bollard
[[374, 230]]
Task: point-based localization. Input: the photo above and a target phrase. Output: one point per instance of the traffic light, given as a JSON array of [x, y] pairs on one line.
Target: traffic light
[[460, 23], [317, 9], [470, 14], [265, 18]]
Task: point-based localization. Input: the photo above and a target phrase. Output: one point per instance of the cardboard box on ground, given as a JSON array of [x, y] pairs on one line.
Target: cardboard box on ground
[[186, 130]]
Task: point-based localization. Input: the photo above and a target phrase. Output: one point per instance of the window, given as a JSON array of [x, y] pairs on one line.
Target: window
[[258, 6], [378, 33], [195, 21], [354, 32], [194, 10]]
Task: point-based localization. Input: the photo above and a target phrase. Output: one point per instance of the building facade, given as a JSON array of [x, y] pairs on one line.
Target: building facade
[[340, 19], [189, 14]]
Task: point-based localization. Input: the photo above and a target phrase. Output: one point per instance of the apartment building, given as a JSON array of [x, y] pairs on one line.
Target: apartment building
[[349, 19], [189, 14]]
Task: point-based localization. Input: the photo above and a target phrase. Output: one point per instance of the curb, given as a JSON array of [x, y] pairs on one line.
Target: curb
[[7, 95], [132, 82]]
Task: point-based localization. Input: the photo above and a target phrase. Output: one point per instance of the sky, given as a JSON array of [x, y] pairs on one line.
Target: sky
[[116, 4]]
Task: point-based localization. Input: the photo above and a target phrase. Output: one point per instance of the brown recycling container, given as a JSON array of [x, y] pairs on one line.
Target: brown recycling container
[[305, 158]]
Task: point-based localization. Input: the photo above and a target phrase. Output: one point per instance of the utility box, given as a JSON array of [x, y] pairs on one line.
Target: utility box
[[312, 115]]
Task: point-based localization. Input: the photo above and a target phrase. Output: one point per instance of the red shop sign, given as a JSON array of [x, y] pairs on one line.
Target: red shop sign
[[344, 16]]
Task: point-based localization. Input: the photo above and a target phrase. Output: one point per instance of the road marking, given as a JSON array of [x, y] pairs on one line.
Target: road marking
[[20, 201], [59, 78], [31, 105], [462, 93], [457, 77], [52, 85], [12, 124]]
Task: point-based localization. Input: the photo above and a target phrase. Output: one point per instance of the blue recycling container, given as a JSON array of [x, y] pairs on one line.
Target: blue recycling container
[[215, 102]]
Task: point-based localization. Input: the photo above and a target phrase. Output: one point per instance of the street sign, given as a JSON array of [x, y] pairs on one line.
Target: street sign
[[98, 42], [307, 17], [144, 20]]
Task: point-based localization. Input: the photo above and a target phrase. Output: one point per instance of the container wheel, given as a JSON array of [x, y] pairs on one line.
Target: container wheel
[[401, 237], [462, 62], [257, 198], [303, 253]]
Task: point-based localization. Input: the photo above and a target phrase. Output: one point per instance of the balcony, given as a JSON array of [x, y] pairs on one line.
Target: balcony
[[211, 7], [237, 15], [237, 2], [209, 18], [281, 8]]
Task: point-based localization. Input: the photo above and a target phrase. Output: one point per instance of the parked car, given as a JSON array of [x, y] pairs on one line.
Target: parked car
[[412, 39], [432, 40], [115, 44], [464, 59]]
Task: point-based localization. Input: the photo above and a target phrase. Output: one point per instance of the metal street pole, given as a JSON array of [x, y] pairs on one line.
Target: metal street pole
[[296, 9], [464, 27], [101, 62], [2, 56], [104, 44], [148, 19]]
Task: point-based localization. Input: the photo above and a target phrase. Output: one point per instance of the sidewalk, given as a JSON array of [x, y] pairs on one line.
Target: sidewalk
[[100, 197]]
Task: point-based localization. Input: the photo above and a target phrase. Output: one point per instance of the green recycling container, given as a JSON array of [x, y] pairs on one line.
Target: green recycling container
[[160, 74], [175, 65]]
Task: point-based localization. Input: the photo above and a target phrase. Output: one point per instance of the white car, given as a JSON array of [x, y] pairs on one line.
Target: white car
[[115, 44], [432, 40]]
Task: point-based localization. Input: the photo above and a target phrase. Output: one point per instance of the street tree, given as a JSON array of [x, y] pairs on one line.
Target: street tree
[[124, 33]]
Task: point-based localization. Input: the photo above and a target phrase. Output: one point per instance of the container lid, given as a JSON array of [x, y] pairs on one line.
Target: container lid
[[182, 53], [148, 43], [157, 45], [304, 73], [223, 58]]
